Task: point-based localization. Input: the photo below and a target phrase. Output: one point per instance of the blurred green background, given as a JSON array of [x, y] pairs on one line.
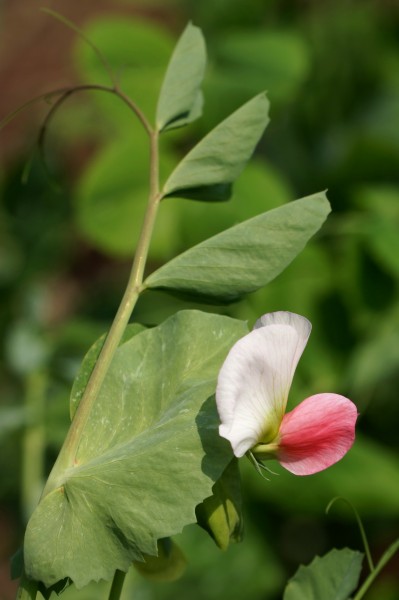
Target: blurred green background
[[69, 225]]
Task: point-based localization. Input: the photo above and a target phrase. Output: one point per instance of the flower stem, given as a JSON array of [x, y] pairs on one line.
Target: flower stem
[[117, 585], [386, 557], [71, 444]]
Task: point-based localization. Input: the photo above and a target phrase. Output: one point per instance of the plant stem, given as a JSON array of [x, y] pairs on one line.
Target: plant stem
[[70, 447], [386, 557], [117, 585]]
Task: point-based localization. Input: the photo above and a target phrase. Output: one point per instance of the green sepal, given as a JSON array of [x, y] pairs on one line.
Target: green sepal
[[221, 514]]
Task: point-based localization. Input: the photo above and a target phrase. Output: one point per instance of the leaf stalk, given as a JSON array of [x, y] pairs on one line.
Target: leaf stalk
[[117, 585]]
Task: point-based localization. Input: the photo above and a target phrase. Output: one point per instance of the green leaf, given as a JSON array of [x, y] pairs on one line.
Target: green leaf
[[180, 100], [89, 362], [168, 566], [331, 577], [220, 514], [245, 257], [209, 170], [17, 564], [58, 588], [149, 454]]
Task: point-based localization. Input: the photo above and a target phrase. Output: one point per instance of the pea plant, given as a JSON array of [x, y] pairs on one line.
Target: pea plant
[[160, 416]]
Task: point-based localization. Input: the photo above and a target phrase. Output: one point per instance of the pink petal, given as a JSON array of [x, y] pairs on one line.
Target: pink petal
[[317, 433]]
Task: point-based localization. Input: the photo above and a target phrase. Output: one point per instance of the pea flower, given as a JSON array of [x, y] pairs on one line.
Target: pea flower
[[252, 393]]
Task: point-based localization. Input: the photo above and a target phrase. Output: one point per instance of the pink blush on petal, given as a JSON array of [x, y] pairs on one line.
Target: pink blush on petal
[[317, 433]]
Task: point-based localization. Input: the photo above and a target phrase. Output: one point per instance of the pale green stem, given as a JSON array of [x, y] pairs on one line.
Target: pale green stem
[[33, 443], [386, 557], [70, 447], [117, 585]]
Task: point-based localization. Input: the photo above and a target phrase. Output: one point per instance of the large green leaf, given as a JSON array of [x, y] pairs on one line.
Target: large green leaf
[[149, 454], [245, 257], [89, 362], [330, 577], [208, 171], [180, 100]]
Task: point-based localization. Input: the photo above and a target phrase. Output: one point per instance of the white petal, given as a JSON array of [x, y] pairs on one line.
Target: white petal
[[282, 317], [255, 379]]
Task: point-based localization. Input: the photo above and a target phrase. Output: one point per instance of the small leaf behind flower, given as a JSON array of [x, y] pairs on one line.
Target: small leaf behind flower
[[220, 514], [245, 257], [209, 170], [180, 100], [331, 577], [169, 565]]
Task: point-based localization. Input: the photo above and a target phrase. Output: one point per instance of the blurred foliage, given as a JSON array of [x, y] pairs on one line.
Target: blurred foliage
[[331, 70]]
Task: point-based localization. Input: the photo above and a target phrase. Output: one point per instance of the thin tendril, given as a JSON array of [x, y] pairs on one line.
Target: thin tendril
[[361, 528], [66, 93], [46, 96], [65, 21]]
